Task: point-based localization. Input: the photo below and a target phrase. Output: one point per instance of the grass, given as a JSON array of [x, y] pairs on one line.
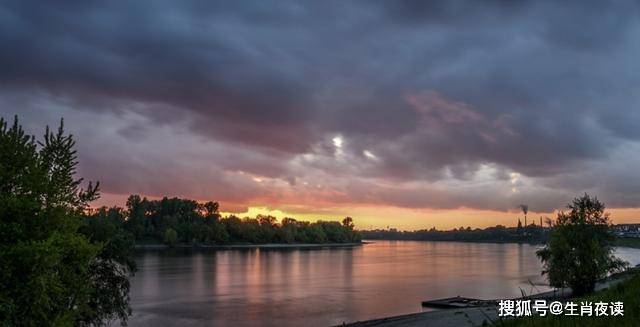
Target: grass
[[628, 292], [630, 242]]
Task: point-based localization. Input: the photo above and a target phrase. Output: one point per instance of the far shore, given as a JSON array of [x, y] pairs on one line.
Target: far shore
[[248, 246], [463, 241], [628, 242]]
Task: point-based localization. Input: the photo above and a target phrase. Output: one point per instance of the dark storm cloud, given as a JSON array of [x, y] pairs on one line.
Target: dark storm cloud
[[432, 90]]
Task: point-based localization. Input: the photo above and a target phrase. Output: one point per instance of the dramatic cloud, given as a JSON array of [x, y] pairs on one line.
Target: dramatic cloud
[[289, 104]]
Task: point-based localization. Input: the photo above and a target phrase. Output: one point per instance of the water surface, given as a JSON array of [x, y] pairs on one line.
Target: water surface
[[321, 287]]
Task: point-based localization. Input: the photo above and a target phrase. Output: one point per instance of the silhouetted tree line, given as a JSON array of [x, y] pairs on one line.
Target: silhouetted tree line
[[531, 234], [173, 220]]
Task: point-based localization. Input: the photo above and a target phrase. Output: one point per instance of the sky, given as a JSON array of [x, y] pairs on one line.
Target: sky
[[408, 114]]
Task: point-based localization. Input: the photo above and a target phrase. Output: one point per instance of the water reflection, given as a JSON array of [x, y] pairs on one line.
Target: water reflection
[[326, 286]]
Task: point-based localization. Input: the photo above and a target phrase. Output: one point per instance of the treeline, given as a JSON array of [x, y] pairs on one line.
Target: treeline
[[173, 220], [530, 234]]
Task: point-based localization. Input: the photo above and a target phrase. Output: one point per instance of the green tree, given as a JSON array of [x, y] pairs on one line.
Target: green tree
[[348, 223], [218, 233], [268, 226], [334, 231], [210, 209], [580, 247], [288, 230], [51, 271], [170, 237], [110, 267], [233, 225], [315, 234], [137, 210]]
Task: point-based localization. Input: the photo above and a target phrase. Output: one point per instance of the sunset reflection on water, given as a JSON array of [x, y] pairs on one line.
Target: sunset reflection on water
[[320, 287]]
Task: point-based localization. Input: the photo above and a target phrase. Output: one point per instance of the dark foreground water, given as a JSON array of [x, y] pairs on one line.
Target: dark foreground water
[[321, 287]]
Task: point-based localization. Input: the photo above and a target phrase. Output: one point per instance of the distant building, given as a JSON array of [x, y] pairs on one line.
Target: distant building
[[627, 230]]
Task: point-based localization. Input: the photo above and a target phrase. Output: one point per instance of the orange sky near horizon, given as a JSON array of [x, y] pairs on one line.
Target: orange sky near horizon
[[381, 217]]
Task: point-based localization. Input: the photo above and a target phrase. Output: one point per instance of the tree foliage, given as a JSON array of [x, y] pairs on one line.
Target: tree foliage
[[193, 223], [56, 270], [170, 237], [580, 247]]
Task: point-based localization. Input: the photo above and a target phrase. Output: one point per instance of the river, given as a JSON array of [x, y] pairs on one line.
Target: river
[[321, 287]]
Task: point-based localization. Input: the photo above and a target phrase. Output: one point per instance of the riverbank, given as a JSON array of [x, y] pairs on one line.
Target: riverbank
[[248, 246], [481, 316]]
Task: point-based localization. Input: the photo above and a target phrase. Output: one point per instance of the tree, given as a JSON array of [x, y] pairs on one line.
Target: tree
[[136, 208], [218, 233], [52, 272], [110, 267], [348, 223], [580, 247], [210, 209], [315, 234], [170, 237], [288, 230]]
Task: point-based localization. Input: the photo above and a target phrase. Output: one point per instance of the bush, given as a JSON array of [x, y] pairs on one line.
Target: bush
[[580, 247]]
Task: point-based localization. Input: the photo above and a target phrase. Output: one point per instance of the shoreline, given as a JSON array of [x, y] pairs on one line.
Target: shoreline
[[248, 246]]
